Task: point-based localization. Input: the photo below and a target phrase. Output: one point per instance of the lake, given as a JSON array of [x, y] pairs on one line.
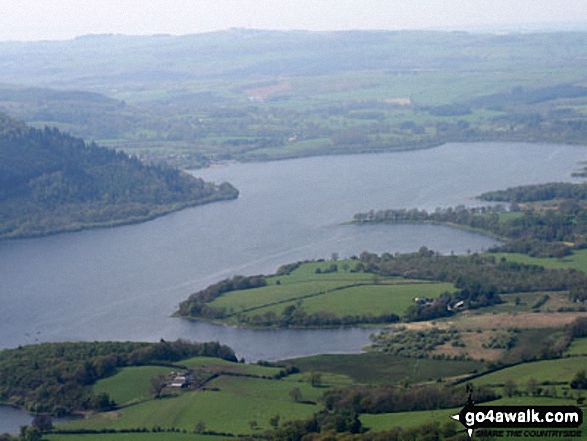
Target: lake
[[124, 283]]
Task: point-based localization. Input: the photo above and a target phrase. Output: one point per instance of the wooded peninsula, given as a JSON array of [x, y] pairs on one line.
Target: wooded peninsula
[[51, 182]]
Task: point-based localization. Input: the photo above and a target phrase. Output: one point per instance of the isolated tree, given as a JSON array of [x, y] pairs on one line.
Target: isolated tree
[[579, 381], [200, 427], [102, 402], [157, 385], [532, 387], [274, 421], [295, 394], [42, 422], [315, 379], [510, 388]]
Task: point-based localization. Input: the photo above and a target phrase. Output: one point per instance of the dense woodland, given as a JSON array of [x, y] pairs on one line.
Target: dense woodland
[[56, 377], [51, 182]]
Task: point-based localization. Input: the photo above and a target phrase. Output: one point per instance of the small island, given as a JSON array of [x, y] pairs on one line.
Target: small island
[[51, 182]]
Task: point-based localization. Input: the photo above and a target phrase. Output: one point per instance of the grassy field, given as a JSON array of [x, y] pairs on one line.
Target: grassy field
[[368, 299], [130, 384], [560, 370], [229, 402], [374, 367], [217, 365], [230, 407], [578, 347], [578, 260], [339, 292], [388, 421], [161, 436]]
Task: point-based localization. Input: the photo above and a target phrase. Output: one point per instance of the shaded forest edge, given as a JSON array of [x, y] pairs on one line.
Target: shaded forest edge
[[51, 182]]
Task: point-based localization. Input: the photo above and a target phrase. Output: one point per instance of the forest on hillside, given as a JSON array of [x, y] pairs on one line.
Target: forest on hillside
[[52, 182]]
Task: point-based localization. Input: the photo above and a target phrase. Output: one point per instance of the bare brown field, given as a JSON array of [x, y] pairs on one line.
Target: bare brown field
[[262, 93]]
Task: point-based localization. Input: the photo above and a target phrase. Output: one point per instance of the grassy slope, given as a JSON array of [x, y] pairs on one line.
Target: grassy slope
[[229, 404], [130, 384], [578, 260], [166, 436], [341, 293], [374, 367], [412, 419], [578, 347], [227, 410], [561, 370]]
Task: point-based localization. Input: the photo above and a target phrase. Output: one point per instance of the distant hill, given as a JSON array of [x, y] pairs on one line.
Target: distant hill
[[251, 95], [51, 182], [111, 63]]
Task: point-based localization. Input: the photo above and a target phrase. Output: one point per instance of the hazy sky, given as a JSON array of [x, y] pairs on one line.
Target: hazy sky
[[63, 19]]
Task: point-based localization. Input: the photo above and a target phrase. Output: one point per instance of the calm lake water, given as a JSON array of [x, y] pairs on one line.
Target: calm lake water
[[124, 283]]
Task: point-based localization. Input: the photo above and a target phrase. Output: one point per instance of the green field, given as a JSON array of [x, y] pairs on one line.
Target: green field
[[375, 367], [229, 409], [578, 260], [578, 347], [559, 370], [387, 421], [340, 292], [235, 397], [161, 436], [130, 384], [217, 365], [365, 299]]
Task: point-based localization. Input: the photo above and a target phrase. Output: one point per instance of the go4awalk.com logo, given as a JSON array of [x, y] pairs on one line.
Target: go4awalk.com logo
[[521, 421]]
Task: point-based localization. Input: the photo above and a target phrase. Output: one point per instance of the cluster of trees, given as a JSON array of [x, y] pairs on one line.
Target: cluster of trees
[[537, 233], [55, 377], [538, 192], [310, 431], [388, 398], [295, 316], [323, 422], [480, 279], [47, 175], [196, 304], [412, 343]]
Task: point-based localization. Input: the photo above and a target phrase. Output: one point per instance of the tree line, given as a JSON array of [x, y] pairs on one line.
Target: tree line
[[50, 178], [538, 233], [56, 377], [480, 280]]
